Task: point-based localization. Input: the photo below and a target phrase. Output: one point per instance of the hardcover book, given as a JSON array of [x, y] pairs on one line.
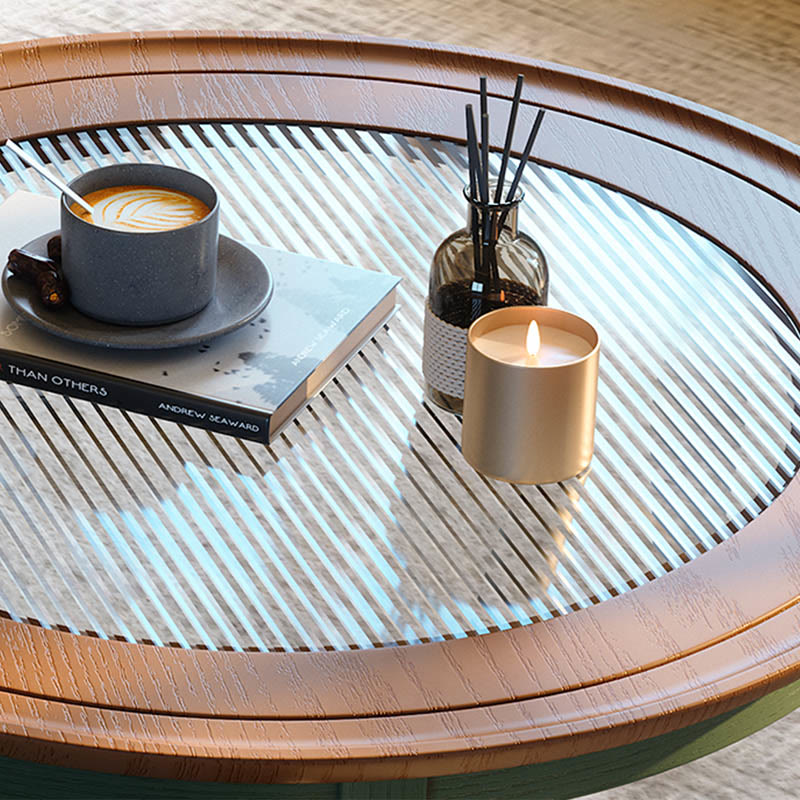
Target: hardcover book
[[247, 383]]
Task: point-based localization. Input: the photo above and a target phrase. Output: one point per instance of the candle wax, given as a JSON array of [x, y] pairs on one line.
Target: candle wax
[[507, 344]]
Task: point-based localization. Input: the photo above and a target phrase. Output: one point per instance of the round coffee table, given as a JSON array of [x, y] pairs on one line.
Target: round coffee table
[[353, 608]]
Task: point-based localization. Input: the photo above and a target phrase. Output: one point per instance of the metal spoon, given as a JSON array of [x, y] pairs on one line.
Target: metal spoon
[[57, 182]]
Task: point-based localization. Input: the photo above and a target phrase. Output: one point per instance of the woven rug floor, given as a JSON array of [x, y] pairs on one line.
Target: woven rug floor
[[739, 56]]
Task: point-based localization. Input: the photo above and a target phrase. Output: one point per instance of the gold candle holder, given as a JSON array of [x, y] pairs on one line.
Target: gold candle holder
[[530, 419]]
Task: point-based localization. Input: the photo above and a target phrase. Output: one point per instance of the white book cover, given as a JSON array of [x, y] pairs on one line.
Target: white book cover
[[319, 315]]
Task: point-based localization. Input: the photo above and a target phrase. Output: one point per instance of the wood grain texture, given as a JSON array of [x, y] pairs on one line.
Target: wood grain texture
[[556, 779], [719, 632], [739, 56], [201, 59]]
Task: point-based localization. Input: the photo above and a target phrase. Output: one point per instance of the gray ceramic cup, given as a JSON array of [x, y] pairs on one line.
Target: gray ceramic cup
[[140, 278]]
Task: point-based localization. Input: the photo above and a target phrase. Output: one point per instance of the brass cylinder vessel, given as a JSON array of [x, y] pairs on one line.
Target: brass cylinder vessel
[[530, 423]]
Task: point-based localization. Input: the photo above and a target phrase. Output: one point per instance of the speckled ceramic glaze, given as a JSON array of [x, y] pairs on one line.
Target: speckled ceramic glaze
[[142, 278]]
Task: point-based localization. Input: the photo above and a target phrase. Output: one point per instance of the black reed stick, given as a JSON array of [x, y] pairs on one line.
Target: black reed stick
[[486, 218], [521, 167], [472, 152], [485, 138], [474, 157], [474, 172], [525, 155], [512, 119]]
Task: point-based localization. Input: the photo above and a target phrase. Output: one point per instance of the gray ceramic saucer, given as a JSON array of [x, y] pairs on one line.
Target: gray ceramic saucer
[[244, 287]]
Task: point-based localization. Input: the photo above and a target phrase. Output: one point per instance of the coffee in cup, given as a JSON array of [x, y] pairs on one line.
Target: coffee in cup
[[148, 255], [141, 208]]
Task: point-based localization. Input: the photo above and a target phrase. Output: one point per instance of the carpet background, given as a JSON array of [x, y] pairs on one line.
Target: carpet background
[[738, 56]]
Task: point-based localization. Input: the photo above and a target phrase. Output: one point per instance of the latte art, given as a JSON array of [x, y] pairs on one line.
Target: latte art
[[141, 208]]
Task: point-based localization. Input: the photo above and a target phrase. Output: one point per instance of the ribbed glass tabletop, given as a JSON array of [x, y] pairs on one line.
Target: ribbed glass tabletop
[[362, 525]]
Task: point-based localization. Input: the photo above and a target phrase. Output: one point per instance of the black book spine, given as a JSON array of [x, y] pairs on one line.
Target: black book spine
[[128, 395]]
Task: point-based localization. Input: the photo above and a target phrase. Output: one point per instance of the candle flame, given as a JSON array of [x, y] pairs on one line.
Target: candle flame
[[533, 341]]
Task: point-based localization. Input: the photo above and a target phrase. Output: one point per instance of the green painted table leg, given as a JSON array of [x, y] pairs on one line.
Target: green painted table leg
[[556, 780]]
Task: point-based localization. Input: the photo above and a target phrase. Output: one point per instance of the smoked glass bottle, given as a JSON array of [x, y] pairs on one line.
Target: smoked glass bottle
[[486, 265]]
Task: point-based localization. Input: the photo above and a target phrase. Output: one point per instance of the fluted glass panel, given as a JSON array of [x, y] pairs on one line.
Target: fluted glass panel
[[362, 525]]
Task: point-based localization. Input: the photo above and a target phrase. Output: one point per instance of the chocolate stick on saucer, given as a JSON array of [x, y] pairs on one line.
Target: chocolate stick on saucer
[[43, 271]]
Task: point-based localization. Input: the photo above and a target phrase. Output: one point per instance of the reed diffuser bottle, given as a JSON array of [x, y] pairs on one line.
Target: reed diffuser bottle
[[484, 266], [510, 271]]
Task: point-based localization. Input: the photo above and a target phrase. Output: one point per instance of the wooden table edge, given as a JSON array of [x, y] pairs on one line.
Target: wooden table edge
[[425, 745], [580, 92]]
